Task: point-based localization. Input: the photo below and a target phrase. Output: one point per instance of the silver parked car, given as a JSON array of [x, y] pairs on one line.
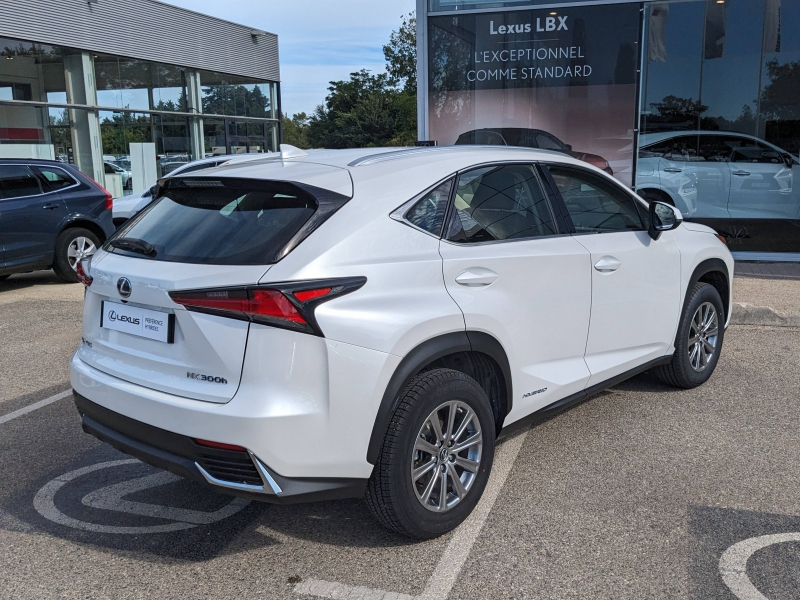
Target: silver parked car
[[738, 184]]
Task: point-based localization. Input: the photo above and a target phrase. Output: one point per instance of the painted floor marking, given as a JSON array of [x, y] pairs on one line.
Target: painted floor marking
[[34, 406], [110, 498], [455, 555], [733, 563], [339, 591]]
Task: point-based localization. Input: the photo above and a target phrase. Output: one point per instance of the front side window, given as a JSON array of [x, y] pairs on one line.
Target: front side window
[[17, 181], [745, 150], [594, 204], [428, 213], [499, 203]]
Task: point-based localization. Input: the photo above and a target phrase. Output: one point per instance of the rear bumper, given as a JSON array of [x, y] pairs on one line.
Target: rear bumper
[[210, 467]]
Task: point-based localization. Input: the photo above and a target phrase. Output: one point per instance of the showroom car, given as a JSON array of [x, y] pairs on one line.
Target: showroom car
[[529, 138], [738, 184], [51, 216], [367, 323], [127, 206]]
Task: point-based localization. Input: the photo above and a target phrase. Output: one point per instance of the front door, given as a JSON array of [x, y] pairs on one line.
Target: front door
[[29, 219], [636, 296], [515, 277]]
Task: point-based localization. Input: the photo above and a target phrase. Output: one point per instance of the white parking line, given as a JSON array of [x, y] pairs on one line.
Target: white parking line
[[34, 406], [455, 555], [733, 563]]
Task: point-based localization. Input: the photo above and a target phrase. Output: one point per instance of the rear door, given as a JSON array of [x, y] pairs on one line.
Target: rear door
[[518, 278], [30, 217], [635, 279]]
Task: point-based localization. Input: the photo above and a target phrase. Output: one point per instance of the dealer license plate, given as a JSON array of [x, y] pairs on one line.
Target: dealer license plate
[[146, 323]]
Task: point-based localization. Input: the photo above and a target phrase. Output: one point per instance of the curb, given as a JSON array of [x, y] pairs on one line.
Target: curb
[[747, 314]]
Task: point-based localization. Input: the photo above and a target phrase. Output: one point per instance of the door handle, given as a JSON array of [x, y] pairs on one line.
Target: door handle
[[741, 173], [673, 170], [50, 206], [477, 277], [607, 264]]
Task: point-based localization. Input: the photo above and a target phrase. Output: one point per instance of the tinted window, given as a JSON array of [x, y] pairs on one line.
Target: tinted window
[[235, 222], [548, 142], [17, 181], [489, 138], [682, 149], [499, 203], [745, 150], [594, 204], [56, 178], [428, 213]]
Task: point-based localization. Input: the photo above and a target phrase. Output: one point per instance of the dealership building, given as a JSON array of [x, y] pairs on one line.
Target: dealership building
[[128, 90], [696, 102]]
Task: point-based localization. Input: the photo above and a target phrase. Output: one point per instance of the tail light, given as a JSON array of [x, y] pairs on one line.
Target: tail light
[[109, 197], [288, 305], [82, 271]]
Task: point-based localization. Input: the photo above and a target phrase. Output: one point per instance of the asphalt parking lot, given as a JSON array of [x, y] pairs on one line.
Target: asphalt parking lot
[[644, 491]]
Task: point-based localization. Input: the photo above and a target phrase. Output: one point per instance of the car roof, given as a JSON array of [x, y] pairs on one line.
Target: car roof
[[339, 170], [645, 139], [35, 161]]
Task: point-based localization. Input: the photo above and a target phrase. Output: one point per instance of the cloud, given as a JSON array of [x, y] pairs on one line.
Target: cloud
[[319, 41]]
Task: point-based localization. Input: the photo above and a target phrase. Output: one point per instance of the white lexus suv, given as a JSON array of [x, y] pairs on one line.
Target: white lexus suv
[[338, 324]]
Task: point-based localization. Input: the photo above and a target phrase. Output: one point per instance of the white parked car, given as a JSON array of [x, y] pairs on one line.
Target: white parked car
[[367, 322], [127, 206]]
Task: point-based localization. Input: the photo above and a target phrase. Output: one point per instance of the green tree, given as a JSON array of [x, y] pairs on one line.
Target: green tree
[[295, 130], [401, 55], [372, 109]]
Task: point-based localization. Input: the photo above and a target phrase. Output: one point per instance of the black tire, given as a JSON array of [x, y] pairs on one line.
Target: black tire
[[3, 277], [61, 264], [656, 196], [680, 372], [391, 495]]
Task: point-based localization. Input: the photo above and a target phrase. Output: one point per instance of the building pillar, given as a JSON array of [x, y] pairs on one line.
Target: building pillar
[[194, 104], [87, 143]]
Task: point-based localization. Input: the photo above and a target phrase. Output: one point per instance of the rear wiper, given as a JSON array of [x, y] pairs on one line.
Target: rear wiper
[[133, 245]]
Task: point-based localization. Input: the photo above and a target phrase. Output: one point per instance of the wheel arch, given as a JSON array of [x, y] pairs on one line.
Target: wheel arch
[[713, 271], [86, 224], [475, 353]]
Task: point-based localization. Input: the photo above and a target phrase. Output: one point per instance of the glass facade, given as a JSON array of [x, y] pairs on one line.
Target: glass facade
[[693, 102], [95, 110]]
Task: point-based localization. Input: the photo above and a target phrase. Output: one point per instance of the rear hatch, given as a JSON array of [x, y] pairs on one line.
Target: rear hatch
[[201, 233]]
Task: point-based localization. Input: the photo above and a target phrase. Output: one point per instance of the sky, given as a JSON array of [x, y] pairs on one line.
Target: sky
[[319, 41]]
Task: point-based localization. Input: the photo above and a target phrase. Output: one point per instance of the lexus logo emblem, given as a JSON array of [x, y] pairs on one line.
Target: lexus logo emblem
[[124, 287]]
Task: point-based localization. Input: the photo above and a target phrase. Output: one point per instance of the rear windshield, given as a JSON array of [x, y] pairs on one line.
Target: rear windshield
[[222, 222]]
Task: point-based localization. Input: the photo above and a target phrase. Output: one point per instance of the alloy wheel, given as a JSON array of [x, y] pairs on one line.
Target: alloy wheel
[[447, 455], [78, 249], [703, 334]]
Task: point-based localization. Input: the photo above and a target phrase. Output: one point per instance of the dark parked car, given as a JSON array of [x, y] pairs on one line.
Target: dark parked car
[[529, 138], [51, 216]]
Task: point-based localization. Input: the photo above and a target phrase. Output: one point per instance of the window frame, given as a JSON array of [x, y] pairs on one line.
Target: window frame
[[642, 209], [534, 165]]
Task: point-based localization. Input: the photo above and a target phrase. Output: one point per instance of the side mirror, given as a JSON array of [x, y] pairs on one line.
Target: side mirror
[[663, 217], [788, 160], [569, 147]]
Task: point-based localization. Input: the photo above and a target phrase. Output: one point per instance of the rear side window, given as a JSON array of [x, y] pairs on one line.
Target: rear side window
[[56, 178], [229, 222], [595, 205], [17, 181], [428, 213], [499, 203]]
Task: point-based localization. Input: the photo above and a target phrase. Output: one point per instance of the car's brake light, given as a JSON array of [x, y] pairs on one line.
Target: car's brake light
[[83, 277], [109, 197], [289, 305]]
